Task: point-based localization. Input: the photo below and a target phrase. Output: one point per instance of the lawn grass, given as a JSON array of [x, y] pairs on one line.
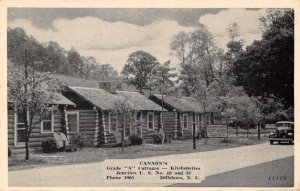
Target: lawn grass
[[88, 155]]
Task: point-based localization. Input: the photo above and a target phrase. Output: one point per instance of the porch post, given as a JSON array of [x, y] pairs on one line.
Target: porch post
[[96, 128], [176, 121], [104, 128], [67, 125]]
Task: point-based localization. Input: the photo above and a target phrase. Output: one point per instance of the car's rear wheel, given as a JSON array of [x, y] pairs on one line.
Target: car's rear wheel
[[271, 142]]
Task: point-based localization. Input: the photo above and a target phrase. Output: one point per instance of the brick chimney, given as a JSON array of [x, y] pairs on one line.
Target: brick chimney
[[110, 86]]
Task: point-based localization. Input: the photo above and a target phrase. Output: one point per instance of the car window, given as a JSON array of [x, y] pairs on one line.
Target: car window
[[279, 124], [284, 126]]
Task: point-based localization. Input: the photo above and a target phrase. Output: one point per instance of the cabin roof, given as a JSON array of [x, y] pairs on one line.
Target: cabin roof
[[105, 100], [58, 99], [139, 101], [183, 104]]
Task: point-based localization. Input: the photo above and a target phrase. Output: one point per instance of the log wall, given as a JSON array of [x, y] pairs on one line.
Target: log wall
[[36, 137]]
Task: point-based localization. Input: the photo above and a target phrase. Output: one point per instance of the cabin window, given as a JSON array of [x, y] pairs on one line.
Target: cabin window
[[150, 120], [73, 122], [185, 121], [138, 116], [47, 124], [20, 132]]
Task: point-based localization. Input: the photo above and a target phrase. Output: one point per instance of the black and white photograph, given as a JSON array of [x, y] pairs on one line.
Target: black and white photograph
[[149, 97]]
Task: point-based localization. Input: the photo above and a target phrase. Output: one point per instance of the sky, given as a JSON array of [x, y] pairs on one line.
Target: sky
[[110, 35]]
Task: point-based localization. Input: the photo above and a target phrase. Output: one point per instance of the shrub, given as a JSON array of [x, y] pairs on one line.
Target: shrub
[[79, 139], [157, 138], [135, 139], [202, 133], [49, 145]]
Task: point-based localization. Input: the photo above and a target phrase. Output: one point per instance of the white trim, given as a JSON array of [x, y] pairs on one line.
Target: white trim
[[181, 121], [73, 113], [175, 121], [52, 125], [96, 128], [187, 121], [104, 129], [150, 113]]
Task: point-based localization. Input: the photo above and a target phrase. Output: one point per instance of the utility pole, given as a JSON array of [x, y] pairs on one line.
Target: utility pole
[[258, 131], [248, 130], [26, 106], [236, 128], [205, 123]]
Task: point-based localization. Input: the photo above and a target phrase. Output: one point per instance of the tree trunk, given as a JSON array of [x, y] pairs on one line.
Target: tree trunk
[[123, 131], [194, 137], [205, 123], [247, 131], [27, 149], [258, 131]]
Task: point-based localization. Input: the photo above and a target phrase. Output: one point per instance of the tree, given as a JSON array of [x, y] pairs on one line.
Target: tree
[[75, 61], [50, 56], [273, 110], [138, 68], [15, 38], [267, 66], [107, 71], [56, 56], [161, 80], [234, 46], [179, 46], [30, 92], [198, 57], [89, 67], [122, 110]]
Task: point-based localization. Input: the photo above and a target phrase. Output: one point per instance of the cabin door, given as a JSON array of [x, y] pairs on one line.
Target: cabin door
[[73, 121], [20, 132]]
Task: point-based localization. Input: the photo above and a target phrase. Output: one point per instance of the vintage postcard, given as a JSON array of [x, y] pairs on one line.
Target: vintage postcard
[[122, 95]]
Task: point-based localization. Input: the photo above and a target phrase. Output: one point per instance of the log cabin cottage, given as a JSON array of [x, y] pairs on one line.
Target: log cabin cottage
[[60, 121], [182, 114], [96, 120]]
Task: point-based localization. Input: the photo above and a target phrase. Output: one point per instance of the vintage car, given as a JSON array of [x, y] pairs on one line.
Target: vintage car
[[284, 132]]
